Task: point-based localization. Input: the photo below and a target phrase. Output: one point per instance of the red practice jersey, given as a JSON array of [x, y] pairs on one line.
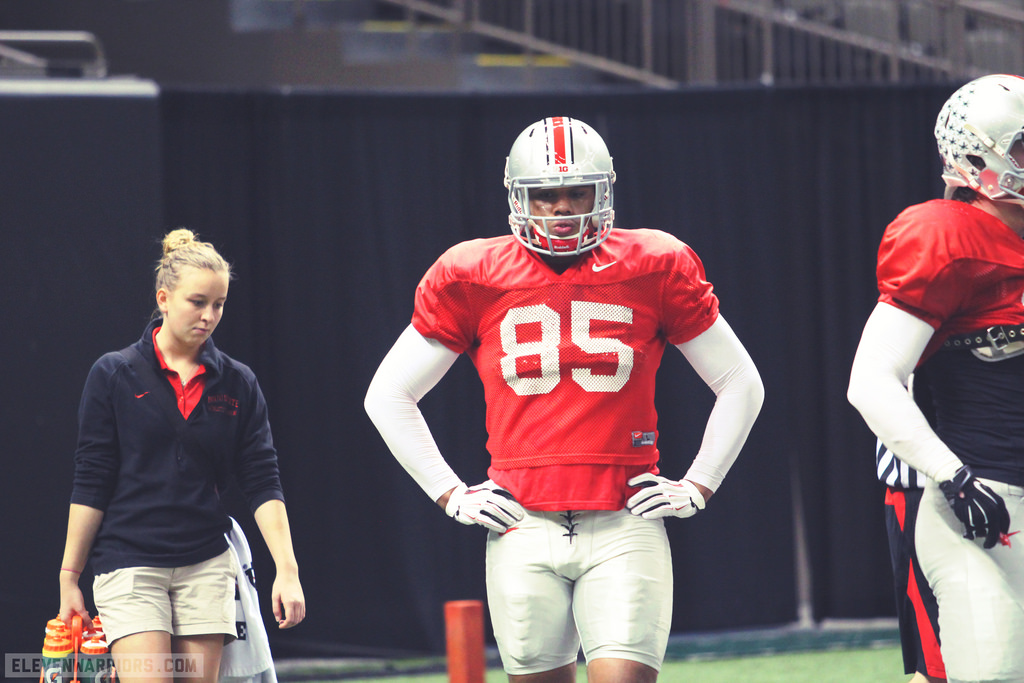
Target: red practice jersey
[[568, 361], [954, 266]]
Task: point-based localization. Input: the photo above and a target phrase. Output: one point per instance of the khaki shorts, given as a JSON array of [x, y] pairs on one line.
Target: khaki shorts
[[597, 579], [183, 601]]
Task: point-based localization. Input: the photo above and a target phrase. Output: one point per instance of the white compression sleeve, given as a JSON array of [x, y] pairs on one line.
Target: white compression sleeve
[[410, 369], [890, 346], [725, 366]]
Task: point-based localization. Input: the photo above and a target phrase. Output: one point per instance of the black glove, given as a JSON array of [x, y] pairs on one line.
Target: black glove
[[981, 509]]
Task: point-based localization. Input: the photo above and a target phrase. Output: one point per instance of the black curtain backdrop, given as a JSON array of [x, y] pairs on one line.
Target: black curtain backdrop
[[331, 205], [80, 216]]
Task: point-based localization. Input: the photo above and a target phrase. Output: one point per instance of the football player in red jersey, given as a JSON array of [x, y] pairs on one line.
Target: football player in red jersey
[[951, 281], [566, 321]]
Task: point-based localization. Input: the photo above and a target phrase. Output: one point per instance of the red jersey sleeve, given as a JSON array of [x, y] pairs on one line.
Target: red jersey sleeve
[[945, 260], [690, 304], [443, 306], [916, 260]]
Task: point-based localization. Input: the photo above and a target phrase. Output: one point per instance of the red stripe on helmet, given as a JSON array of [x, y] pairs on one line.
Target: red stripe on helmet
[[559, 130]]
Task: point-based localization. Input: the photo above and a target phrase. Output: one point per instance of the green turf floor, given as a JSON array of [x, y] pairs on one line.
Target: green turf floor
[[841, 652], [881, 665]]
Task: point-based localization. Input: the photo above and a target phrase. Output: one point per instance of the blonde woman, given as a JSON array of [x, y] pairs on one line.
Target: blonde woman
[[161, 425]]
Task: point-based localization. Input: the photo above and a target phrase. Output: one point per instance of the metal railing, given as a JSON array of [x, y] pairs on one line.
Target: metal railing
[[668, 43], [42, 54]]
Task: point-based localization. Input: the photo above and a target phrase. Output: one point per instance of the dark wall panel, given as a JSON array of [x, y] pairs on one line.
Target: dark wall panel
[[80, 212]]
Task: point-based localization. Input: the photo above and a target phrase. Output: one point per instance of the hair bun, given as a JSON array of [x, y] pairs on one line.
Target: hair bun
[[178, 238]]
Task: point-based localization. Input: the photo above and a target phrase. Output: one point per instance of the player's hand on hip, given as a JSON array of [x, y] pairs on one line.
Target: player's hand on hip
[[661, 497], [487, 504], [982, 510]]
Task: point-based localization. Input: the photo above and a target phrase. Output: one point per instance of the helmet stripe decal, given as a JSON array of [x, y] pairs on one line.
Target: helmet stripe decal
[[560, 130]]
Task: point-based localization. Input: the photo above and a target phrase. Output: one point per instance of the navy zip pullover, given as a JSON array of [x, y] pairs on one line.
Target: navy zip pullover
[[154, 473]]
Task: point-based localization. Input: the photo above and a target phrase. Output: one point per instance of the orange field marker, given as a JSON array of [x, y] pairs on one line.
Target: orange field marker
[[464, 632]]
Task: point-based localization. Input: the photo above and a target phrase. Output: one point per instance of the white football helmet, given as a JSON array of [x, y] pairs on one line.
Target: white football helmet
[[980, 133], [555, 152]]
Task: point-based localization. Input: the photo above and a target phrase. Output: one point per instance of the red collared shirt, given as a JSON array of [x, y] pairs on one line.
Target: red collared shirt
[[188, 393]]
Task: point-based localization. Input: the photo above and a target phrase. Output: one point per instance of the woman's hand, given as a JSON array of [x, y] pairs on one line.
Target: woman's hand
[[72, 601], [288, 601]]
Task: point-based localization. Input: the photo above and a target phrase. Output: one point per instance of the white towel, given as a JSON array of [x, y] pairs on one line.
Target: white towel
[[247, 658]]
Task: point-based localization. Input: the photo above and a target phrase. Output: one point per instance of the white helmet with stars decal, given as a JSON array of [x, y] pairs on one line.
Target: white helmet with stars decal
[[980, 133]]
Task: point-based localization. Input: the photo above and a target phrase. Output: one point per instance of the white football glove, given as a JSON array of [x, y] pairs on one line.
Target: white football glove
[[487, 504], [661, 497]]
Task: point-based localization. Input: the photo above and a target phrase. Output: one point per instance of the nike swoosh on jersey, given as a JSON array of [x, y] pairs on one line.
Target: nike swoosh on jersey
[[141, 395], [598, 268]]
